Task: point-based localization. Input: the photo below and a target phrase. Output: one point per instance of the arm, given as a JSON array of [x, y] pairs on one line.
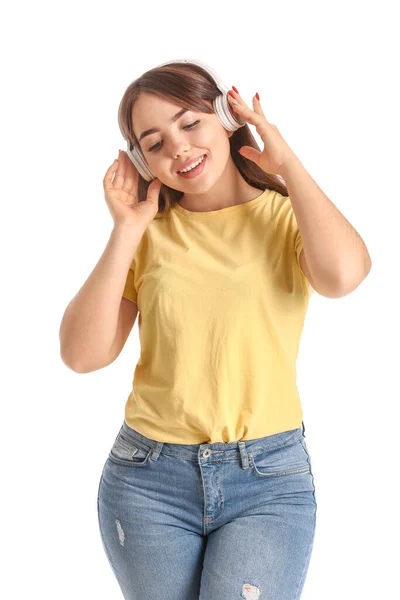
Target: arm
[[335, 255], [90, 323]]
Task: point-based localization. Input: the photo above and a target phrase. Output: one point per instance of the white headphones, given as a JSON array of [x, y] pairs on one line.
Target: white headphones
[[221, 107]]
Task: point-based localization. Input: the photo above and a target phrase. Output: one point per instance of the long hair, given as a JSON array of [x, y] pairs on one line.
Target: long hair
[[193, 88]]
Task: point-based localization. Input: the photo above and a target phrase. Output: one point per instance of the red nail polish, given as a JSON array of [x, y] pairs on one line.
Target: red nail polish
[[234, 89], [257, 96], [230, 94]]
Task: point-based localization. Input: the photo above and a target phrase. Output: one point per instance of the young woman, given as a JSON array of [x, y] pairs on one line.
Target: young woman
[[207, 491]]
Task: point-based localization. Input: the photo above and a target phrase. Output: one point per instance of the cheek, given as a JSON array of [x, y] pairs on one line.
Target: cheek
[[216, 142], [203, 140], [222, 146]]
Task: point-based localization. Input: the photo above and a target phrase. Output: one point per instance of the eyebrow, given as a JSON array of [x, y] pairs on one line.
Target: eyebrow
[[154, 130]]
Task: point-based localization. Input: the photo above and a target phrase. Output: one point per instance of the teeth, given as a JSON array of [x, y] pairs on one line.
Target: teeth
[[192, 166]]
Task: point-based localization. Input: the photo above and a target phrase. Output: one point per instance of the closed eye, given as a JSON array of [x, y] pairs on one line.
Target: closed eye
[[190, 126]]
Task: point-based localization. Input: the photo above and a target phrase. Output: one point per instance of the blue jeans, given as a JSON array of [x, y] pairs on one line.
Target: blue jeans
[[208, 521]]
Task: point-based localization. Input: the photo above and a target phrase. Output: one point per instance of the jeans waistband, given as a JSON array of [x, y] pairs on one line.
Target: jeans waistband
[[230, 449]]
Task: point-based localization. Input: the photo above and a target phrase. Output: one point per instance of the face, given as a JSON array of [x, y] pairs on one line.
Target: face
[[192, 135]]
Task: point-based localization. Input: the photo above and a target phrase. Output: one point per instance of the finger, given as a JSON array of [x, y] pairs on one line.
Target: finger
[[236, 96], [107, 181], [245, 111], [258, 109], [239, 99], [131, 174], [120, 174], [153, 190]]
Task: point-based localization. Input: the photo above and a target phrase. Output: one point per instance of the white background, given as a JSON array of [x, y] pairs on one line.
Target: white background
[[327, 76]]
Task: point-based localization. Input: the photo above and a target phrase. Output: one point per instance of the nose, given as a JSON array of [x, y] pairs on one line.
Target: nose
[[179, 145]]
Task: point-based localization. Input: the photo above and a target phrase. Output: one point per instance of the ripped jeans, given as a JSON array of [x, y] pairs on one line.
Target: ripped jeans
[[208, 521]]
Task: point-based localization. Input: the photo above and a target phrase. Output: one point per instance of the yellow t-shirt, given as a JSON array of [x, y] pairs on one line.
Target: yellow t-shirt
[[222, 301]]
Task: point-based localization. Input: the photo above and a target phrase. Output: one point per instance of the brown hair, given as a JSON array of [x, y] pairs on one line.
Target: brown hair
[[193, 88]]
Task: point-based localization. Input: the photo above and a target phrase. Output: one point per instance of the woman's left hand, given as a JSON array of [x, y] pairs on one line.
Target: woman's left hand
[[276, 152]]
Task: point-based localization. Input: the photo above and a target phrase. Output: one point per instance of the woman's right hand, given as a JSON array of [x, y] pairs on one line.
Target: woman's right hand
[[121, 194]]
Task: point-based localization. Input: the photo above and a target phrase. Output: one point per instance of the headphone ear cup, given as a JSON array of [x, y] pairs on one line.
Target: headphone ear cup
[[139, 161], [222, 109]]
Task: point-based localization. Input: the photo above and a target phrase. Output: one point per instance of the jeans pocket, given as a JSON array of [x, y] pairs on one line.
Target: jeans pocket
[[128, 453], [284, 460]]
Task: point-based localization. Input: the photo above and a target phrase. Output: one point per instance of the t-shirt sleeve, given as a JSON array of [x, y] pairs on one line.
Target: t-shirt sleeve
[[129, 289], [298, 247]]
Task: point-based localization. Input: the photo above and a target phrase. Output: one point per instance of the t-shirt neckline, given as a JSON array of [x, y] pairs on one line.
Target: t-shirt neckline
[[207, 214]]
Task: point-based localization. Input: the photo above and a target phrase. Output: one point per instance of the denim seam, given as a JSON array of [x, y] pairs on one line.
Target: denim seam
[[278, 473]]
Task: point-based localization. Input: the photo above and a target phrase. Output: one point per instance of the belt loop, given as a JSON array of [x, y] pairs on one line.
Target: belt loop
[[155, 453], [243, 454], [303, 428]]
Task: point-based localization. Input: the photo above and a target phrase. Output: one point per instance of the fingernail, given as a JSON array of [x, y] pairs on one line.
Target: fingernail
[[257, 96], [233, 87]]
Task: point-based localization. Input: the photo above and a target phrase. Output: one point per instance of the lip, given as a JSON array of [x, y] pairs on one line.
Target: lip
[[189, 162], [196, 172]]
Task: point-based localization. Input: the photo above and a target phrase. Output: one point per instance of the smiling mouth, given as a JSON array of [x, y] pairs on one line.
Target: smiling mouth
[[195, 160], [196, 171]]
